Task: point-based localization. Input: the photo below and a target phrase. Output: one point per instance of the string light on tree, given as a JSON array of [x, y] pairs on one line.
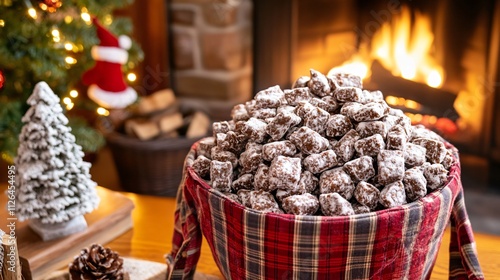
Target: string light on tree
[[50, 6]]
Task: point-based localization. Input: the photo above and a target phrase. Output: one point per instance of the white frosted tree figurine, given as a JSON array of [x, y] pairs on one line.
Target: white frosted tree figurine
[[54, 187]]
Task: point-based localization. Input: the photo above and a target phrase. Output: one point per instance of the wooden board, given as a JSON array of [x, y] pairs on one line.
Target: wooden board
[[110, 220]]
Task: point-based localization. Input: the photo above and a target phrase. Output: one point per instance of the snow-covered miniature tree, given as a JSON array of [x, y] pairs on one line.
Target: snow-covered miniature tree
[[53, 182]]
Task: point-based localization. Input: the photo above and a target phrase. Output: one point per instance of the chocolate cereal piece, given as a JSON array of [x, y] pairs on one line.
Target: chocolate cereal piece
[[319, 84], [205, 146], [338, 181], [222, 127], [244, 197], [309, 141], [391, 166], [261, 179], [295, 96], [435, 150], [367, 129], [232, 196], [448, 160], [308, 182], [264, 113], [393, 195], [272, 97], [436, 175], [414, 155], [360, 208], [370, 146], [280, 148], [244, 182], [360, 169], [372, 96], [264, 202], [349, 109], [346, 80], [301, 204], [255, 130], [221, 175], [337, 125], [250, 159], [313, 117], [419, 131], [284, 173], [332, 204], [369, 112], [396, 138], [415, 183], [317, 163], [330, 104], [345, 147], [239, 113], [278, 127], [349, 94], [201, 166], [302, 81], [231, 141], [221, 155], [367, 194]]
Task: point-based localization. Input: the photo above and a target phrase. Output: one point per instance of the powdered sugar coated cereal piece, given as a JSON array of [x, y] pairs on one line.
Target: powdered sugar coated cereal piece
[[261, 179], [264, 113], [337, 125], [420, 131], [205, 146], [366, 129], [415, 183], [201, 166], [370, 146], [436, 175], [222, 127], [349, 109], [302, 81], [244, 197], [332, 204], [221, 155], [414, 154], [391, 166], [338, 181], [301, 204], [245, 181], [221, 174], [313, 117], [345, 147], [448, 160], [349, 94], [272, 97], [435, 150], [264, 202], [296, 95], [393, 195], [369, 112], [372, 96], [319, 84], [284, 173], [396, 138], [317, 163], [360, 208], [309, 141], [360, 169], [346, 80], [331, 105], [239, 113], [280, 148], [255, 130], [308, 182], [232, 196], [250, 160], [367, 194], [278, 127]]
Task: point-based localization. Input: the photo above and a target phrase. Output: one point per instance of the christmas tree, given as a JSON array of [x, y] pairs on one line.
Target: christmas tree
[[53, 182], [51, 40]]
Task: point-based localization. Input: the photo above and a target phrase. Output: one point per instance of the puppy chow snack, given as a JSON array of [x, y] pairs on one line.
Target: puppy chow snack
[[336, 181], [221, 175], [202, 166], [301, 204], [332, 204], [281, 148], [337, 125], [367, 194], [360, 169], [317, 163], [415, 183], [370, 146], [326, 143], [393, 195], [294, 96], [309, 141], [319, 84], [284, 173]]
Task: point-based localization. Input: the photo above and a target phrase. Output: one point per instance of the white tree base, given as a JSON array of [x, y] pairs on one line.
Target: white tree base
[[53, 231]]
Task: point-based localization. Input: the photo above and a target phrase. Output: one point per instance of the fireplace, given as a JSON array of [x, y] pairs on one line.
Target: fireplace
[[438, 61]]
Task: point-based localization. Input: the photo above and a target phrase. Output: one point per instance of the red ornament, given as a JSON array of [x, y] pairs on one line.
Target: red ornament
[[50, 5], [2, 79]]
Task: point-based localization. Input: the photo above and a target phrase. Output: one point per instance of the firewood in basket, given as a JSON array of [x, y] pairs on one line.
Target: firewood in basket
[[144, 130], [199, 126], [157, 101], [169, 123]]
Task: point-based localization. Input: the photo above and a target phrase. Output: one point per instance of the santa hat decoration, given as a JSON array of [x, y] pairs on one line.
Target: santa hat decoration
[[107, 86]]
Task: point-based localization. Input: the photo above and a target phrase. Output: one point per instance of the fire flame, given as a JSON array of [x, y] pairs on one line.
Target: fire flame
[[403, 48]]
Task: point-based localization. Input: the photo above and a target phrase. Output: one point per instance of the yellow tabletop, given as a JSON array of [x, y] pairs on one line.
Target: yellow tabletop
[[153, 228]]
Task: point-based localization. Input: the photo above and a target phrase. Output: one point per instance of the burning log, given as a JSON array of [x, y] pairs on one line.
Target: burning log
[[434, 101]]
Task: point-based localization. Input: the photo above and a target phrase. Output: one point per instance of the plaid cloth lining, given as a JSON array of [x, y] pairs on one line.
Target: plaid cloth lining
[[396, 243]]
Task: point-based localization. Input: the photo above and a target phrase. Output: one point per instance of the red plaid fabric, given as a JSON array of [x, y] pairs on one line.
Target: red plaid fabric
[[396, 243]]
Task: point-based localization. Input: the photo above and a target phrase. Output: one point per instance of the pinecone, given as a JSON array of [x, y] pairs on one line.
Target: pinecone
[[97, 263]]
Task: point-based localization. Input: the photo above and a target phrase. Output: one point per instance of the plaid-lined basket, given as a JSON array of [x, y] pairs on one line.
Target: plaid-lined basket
[[396, 243]]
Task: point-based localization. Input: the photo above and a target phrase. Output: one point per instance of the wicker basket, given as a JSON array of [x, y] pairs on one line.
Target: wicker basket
[[397, 243], [151, 167]]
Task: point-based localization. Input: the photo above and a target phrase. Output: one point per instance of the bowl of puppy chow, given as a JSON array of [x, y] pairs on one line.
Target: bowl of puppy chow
[[320, 181]]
